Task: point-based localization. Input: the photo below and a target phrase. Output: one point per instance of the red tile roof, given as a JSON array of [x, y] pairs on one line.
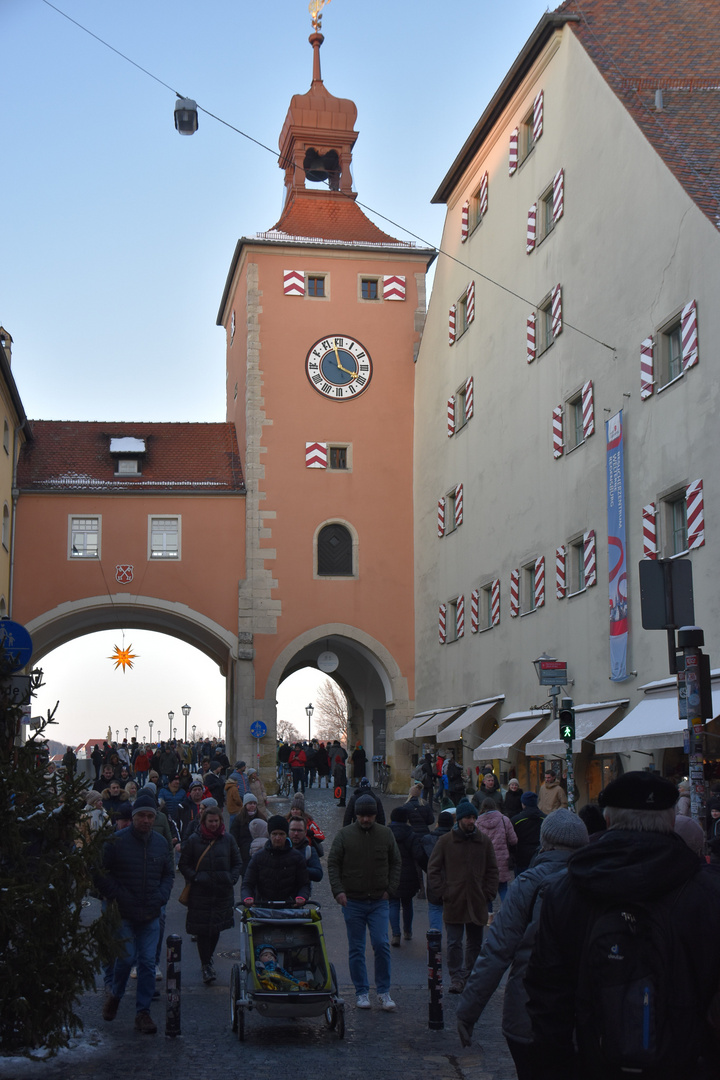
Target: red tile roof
[[73, 455], [328, 215], [640, 46]]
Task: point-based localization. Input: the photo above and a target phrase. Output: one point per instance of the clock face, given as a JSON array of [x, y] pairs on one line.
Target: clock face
[[339, 368]]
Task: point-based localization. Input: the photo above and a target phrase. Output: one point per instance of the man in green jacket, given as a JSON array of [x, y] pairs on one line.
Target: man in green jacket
[[364, 868]]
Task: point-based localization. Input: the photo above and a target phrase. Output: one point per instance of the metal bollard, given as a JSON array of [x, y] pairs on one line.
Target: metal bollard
[[172, 1004], [435, 1008]]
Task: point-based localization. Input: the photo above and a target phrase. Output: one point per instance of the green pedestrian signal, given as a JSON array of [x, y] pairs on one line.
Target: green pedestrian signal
[[567, 725]]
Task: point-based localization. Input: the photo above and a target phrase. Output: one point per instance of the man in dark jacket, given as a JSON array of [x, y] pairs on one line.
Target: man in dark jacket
[[364, 869], [527, 825], [509, 941], [297, 831], [278, 872], [428, 840], [138, 874], [660, 903], [363, 788], [214, 784]]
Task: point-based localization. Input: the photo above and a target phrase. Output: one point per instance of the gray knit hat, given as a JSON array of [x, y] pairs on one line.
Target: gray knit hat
[[365, 805], [248, 797], [144, 802], [563, 829]]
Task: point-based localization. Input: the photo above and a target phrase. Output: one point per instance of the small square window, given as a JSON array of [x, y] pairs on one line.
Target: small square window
[[527, 597], [576, 580], [127, 467], [669, 353], [369, 289], [675, 524], [338, 457], [164, 537], [84, 538], [315, 286]]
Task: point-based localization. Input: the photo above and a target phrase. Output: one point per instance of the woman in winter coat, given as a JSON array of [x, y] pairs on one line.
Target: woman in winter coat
[[257, 788], [240, 828], [210, 863], [419, 814], [322, 763], [513, 798], [359, 760], [412, 854], [501, 834]]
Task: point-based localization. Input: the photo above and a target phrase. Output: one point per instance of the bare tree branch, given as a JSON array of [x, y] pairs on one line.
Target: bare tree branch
[[331, 713], [287, 732]]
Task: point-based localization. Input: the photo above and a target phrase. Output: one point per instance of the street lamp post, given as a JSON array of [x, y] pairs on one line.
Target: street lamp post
[[117, 734], [193, 731], [126, 731], [219, 730], [150, 725], [136, 731], [185, 709], [309, 710]]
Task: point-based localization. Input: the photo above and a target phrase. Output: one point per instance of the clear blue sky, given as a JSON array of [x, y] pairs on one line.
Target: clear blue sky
[[118, 232]]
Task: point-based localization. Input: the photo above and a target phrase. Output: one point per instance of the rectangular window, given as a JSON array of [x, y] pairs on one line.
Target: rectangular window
[[546, 220], [127, 467], [451, 629], [575, 431], [577, 566], [527, 137], [369, 289], [164, 537], [545, 335], [461, 316], [527, 597], [675, 524], [315, 286], [450, 511], [669, 354], [461, 407], [84, 538], [485, 607], [337, 457]]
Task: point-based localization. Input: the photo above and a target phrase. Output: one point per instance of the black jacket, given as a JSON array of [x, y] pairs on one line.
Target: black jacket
[[349, 815], [216, 787], [138, 873], [412, 855], [527, 825], [212, 897], [420, 816], [276, 874]]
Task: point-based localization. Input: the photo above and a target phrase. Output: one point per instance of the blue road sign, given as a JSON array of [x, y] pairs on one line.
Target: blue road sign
[[258, 729], [17, 643]]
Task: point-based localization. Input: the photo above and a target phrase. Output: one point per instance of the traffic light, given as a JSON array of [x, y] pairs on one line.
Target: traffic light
[[567, 720]]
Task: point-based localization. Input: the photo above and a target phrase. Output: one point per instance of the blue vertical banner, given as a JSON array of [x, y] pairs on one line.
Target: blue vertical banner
[[617, 561]]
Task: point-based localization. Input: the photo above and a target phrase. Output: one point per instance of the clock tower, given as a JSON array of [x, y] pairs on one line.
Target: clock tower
[[323, 315]]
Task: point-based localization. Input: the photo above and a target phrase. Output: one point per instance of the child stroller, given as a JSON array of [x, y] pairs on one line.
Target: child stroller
[[284, 970]]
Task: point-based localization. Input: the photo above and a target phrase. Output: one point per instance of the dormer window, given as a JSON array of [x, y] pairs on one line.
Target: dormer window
[[128, 453]]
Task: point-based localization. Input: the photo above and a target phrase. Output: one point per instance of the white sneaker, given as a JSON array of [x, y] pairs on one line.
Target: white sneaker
[[363, 1001], [386, 1003], [133, 973], [158, 972]]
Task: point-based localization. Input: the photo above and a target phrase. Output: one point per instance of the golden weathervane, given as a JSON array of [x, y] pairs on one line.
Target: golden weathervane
[[315, 7]]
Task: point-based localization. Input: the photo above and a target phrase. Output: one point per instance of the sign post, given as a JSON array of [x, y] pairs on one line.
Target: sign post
[[695, 706], [567, 733], [258, 730]]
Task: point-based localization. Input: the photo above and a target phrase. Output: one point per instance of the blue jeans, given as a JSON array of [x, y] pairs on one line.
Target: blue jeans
[[140, 942], [502, 892], [435, 919], [407, 913], [360, 916]]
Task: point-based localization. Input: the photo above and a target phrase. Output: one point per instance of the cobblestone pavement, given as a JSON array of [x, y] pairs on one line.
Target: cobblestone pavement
[[376, 1044]]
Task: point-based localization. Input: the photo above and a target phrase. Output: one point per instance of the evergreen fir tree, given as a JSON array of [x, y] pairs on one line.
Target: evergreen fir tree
[[49, 952]]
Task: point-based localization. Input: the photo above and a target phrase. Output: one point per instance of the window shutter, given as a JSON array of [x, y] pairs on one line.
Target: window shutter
[[458, 505], [513, 158], [442, 613], [589, 558], [495, 602], [695, 515], [514, 593], [557, 323], [484, 195], [649, 532], [394, 287], [465, 227], [557, 432], [540, 581], [469, 401], [588, 410], [474, 612], [560, 577], [531, 346], [689, 335], [451, 325], [460, 616], [531, 228], [558, 195], [294, 282], [451, 417], [538, 115], [470, 303], [441, 517], [316, 455], [647, 380]]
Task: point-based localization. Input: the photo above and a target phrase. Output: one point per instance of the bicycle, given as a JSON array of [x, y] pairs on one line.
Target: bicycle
[[284, 784], [383, 776]]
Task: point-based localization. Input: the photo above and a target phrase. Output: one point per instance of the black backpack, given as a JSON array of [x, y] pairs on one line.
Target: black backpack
[[637, 1013]]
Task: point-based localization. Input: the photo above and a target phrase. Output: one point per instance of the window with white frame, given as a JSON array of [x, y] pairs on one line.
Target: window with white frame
[[451, 515], [669, 353], [485, 607], [478, 205], [461, 407], [527, 591], [546, 218], [84, 538], [545, 336], [674, 523], [576, 578], [527, 137], [574, 430], [461, 316], [451, 625], [164, 538]]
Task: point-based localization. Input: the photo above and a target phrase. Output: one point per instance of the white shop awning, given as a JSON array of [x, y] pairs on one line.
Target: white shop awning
[[653, 724], [475, 711], [407, 731], [514, 729], [431, 726], [588, 719]]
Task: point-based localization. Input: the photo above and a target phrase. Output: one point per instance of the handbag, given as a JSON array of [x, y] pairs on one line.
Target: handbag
[[184, 897]]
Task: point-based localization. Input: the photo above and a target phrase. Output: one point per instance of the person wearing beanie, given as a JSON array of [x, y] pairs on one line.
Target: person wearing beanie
[[137, 873], [639, 865], [463, 871], [364, 870], [363, 788], [509, 942], [214, 782], [527, 825], [240, 826], [278, 872], [501, 834]]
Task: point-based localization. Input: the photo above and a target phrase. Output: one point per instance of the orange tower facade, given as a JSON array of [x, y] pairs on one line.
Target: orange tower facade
[[323, 316]]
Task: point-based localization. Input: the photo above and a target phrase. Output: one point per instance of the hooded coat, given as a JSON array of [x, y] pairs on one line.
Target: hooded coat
[[552, 796], [463, 871], [212, 896], [502, 836]]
